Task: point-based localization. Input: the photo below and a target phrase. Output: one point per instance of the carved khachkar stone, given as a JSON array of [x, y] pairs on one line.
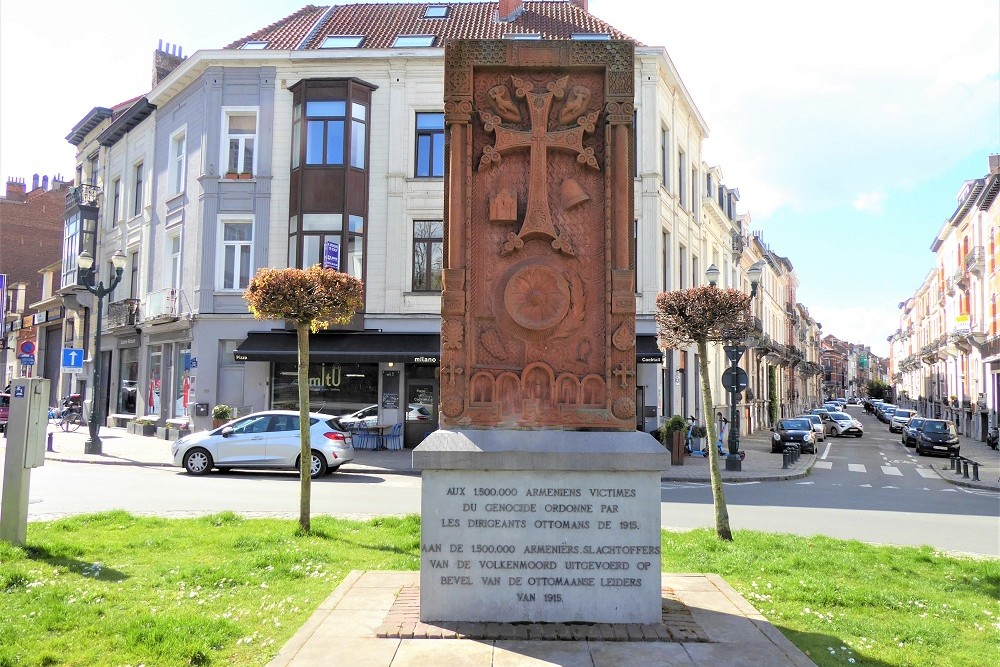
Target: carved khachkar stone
[[538, 307]]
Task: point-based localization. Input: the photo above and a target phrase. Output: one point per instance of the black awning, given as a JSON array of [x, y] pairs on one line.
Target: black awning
[[357, 348], [370, 348], [646, 351]]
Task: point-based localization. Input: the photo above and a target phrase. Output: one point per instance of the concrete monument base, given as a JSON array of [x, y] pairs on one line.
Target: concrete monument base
[[540, 526]]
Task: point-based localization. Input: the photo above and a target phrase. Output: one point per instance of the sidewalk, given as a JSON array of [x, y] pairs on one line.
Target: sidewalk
[[122, 448]]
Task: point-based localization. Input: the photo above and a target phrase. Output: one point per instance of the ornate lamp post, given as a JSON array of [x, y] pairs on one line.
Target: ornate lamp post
[[87, 273], [735, 379]]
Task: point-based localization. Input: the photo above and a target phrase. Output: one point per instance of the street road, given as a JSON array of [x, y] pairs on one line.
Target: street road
[[871, 489]]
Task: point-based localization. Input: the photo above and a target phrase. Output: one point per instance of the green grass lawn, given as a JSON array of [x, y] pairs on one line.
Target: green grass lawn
[[115, 589]]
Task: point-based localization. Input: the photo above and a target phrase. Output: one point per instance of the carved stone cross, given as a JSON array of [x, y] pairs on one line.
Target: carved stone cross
[[537, 218]]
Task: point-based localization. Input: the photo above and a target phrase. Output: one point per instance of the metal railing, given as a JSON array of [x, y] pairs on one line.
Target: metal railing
[[83, 195], [124, 313]]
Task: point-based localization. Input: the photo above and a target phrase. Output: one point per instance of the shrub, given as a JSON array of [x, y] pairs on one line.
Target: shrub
[[222, 411]]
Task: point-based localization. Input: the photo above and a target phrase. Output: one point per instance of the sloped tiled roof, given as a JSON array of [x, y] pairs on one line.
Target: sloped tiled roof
[[380, 24]]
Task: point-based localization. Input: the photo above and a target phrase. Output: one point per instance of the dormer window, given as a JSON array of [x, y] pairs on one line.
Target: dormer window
[[590, 36], [436, 12], [342, 42], [522, 35], [413, 40], [254, 45]]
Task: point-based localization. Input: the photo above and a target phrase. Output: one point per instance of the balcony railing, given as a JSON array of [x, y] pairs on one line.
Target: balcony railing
[[83, 195], [123, 313], [975, 261], [161, 305]]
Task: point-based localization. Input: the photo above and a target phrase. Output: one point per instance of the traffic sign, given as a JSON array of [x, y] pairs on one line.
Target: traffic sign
[[27, 359], [734, 352], [735, 379], [72, 360], [28, 347]]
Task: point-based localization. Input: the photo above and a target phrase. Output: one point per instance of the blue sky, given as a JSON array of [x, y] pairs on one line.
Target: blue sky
[[848, 128]]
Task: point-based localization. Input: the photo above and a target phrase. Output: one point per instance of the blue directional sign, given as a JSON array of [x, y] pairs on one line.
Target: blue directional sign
[[331, 255], [72, 359], [27, 359]]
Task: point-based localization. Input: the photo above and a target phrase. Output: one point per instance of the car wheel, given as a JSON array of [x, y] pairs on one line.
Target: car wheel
[[317, 465], [197, 461]]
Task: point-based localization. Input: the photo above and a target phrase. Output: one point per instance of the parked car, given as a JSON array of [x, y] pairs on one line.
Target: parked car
[[4, 412], [853, 400], [910, 431], [900, 418], [796, 431], [841, 423], [938, 436], [262, 440], [819, 411], [817, 423], [368, 416], [885, 412]]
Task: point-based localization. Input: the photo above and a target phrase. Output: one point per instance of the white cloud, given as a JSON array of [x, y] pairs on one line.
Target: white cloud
[[870, 202]]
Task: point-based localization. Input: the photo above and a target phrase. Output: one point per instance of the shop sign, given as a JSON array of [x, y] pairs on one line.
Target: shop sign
[[126, 342], [425, 360]]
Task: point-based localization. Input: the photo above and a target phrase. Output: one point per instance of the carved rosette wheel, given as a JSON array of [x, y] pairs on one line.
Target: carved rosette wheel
[[623, 407], [452, 405], [537, 297]]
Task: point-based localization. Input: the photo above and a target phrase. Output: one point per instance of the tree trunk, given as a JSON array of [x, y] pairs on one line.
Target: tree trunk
[[722, 529], [305, 456]]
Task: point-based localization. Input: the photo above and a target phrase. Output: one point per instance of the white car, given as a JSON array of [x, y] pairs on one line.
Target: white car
[[265, 440], [841, 423], [817, 423], [900, 418], [368, 416]]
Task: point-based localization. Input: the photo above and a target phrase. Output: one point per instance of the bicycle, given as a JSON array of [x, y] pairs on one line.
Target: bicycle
[[72, 421]]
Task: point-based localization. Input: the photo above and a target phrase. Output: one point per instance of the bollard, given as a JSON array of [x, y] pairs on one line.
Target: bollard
[[975, 471], [953, 459], [48, 443], [958, 465], [785, 455], [797, 453], [965, 468]]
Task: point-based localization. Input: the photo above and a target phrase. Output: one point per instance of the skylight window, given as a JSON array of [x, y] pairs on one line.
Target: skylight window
[[590, 36], [341, 42], [254, 45], [522, 35], [414, 40], [436, 12]]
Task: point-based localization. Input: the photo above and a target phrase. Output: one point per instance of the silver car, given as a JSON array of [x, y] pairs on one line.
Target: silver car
[[841, 423], [900, 418], [817, 423], [265, 440]]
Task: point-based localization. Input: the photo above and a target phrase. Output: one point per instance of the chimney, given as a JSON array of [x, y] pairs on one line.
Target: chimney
[[994, 163], [45, 183], [582, 4], [509, 10], [15, 190], [34, 182], [165, 60]]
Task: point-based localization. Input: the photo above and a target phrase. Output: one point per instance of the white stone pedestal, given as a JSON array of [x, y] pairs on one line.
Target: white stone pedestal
[[541, 526]]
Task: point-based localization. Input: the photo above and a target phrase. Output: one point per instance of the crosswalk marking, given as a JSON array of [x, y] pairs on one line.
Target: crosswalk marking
[[927, 473], [826, 465], [891, 470], [856, 467]]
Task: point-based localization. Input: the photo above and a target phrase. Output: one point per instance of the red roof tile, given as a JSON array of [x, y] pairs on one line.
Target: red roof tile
[[380, 24]]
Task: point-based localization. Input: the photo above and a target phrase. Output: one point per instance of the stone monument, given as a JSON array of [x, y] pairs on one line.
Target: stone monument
[[541, 502]]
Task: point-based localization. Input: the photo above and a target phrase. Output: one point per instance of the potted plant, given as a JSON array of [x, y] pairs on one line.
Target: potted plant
[[671, 434], [697, 433], [245, 175], [232, 175], [221, 413], [144, 426]]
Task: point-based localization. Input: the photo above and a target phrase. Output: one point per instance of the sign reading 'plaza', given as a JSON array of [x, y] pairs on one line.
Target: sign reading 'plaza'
[[544, 546]]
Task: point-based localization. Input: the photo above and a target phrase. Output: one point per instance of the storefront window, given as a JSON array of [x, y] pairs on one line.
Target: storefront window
[[184, 381], [152, 391], [334, 389], [128, 378]]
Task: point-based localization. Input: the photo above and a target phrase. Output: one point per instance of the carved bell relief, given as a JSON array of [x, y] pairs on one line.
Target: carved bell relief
[[572, 194]]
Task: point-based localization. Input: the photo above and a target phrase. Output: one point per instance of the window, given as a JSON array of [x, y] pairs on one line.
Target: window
[[430, 145], [175, 170], [590, 36], [237, 248], [71, 249], [174, 263], [116, 201], [666, 262], [428, 257], [133, 261], [665, 157], [254, 45], [523, 35], [680, 177], [681, 266], [359, 114], [436, 12], [325, 132], [341, 42], [240, 135], [414, 40], [694, 190], [94, 166], [139, 199], [319, 228]]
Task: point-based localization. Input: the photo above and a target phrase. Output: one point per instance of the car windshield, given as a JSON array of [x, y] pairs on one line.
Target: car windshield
[[903, 413], [940, 427], [916, 422], [813, 418], [840, 416], [795, 425]]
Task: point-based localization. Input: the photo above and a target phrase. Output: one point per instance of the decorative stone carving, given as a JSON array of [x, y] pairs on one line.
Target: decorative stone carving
[[539, 226]]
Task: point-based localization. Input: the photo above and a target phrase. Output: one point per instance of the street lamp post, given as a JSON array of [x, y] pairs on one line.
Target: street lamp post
[[735, 378], [86, 263]]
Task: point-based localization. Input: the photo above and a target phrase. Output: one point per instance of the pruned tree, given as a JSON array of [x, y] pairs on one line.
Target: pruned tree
[[313, 298], [703, 315]]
